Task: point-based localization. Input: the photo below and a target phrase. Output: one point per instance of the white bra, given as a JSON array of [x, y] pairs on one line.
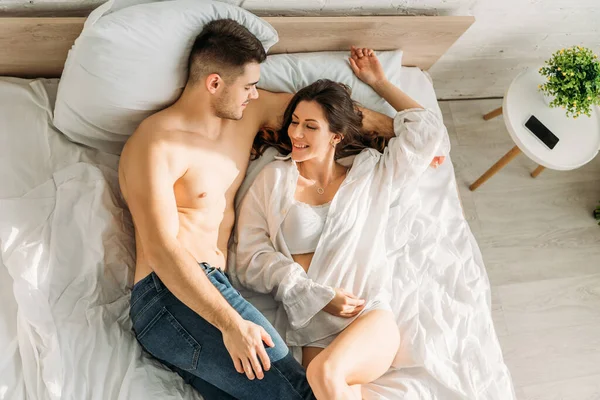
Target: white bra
[[303, 226]]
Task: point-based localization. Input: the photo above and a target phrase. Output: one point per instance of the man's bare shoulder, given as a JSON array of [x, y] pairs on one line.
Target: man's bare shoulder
[[266, 96], [158, 126], [153, 143], [267, 110], [156, 133]]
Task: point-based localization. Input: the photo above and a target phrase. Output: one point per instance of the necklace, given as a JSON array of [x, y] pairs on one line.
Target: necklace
[[321, 189]]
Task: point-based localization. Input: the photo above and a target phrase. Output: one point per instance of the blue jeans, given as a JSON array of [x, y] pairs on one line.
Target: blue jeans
[[185, 342]]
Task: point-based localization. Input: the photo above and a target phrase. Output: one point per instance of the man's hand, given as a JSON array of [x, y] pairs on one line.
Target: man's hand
[[344, 304], [244, 342]]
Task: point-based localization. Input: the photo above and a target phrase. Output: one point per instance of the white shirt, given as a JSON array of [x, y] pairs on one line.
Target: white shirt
[[352, 251]]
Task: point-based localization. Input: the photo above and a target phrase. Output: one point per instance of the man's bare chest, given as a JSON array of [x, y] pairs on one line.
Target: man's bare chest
[[212, 177]]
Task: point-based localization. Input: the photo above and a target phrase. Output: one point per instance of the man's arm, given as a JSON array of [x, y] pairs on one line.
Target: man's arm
[[272, 106], [377, 123], [148, 176], [149, 180]]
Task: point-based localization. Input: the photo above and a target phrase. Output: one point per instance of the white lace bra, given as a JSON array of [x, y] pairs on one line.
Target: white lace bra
[[303, 226]]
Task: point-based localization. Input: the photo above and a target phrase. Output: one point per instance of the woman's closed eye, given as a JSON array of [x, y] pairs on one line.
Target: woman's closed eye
[[312, 128]]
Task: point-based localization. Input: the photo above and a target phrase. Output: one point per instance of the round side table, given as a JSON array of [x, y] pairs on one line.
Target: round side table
[[579, 138]]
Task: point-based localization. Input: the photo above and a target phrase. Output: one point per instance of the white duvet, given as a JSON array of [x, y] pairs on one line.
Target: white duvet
[[67, 256]]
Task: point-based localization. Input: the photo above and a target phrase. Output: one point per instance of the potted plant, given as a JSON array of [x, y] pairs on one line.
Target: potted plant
[[597, 214], [573, 80]]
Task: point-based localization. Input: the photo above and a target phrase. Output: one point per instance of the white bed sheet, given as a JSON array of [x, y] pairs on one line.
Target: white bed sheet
[[67, 257]]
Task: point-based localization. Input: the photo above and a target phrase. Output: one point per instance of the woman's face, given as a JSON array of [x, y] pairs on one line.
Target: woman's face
[[309, 133]]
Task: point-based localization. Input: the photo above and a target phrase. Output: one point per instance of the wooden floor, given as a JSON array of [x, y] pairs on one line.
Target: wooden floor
[[541, 247]]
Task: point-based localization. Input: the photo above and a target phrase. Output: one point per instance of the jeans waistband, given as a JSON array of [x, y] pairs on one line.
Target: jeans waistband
[[154, 280]]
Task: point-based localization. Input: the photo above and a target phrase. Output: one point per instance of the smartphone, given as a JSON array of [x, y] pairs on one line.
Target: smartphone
[[541, 132]]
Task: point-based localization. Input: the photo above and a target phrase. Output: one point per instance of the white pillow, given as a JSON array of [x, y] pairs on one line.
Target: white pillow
[[130, 63], [291, 72]]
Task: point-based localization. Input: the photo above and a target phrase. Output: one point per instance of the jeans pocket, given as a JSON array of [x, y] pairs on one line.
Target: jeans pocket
[[167, 340]]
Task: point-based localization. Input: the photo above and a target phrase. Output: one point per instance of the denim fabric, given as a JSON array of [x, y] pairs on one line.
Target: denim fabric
[[185, 342]]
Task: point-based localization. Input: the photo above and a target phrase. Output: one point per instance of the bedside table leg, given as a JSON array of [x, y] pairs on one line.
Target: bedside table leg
[[537, 171], [493, 114], [515, 151]]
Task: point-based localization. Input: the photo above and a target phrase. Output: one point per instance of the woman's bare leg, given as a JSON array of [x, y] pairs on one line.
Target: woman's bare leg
[[360, 354], [309, 354]]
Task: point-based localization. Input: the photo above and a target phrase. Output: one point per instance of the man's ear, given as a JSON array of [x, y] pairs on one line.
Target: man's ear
[[213, 83]]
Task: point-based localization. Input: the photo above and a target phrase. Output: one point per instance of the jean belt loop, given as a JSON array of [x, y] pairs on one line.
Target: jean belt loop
[[205, 266], [157, 282]]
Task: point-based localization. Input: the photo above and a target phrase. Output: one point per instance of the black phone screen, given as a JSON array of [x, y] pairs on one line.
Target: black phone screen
[[542, 133]]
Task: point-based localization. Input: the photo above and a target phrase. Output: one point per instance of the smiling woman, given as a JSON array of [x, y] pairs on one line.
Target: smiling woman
[[319, 117], [310, 228]]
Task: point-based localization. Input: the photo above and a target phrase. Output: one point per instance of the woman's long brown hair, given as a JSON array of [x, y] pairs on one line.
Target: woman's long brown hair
[[341, 112]]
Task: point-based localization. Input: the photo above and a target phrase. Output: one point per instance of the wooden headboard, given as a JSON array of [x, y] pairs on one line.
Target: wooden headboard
[[37, 47]]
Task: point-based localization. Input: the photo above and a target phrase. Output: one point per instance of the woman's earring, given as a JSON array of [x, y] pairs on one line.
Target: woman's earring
[[332, 143]]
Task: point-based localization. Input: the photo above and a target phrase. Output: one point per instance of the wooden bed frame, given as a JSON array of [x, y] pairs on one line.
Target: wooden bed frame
[[38, 47]]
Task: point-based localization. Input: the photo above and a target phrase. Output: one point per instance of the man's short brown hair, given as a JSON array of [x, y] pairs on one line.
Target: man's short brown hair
[[223, 47]]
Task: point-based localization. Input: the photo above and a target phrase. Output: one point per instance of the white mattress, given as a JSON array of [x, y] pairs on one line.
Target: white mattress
[[66, 271]]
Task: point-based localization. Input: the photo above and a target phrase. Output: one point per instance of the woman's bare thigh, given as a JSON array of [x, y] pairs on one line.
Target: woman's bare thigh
[[365, 349]]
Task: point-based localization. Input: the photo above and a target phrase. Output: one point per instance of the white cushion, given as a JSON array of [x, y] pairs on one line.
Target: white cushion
[[130, 63], [291, 72]]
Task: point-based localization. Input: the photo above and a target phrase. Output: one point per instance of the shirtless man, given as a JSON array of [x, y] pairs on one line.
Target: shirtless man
[[179, 173]]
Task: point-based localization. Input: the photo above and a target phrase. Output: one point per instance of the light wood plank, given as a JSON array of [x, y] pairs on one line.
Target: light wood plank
[[498, 314], [472, 160], [583, 388], [540, 251], [534, 233], [550, 303], [552, 355], [472, 129], [423, 39], [520, 394], [38, 47], [515, 151]]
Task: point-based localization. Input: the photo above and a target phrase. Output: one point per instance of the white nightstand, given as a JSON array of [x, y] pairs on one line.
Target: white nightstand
[[579, 139]]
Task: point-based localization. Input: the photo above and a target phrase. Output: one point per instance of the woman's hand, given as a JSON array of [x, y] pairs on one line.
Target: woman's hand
[[366, 66], [437, 161], [344, 304]]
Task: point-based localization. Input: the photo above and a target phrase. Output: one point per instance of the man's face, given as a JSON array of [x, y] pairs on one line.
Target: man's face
[[235, 95]]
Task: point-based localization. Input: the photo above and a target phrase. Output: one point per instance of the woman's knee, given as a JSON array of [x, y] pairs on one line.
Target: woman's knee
[[322, 369], [327, 381]]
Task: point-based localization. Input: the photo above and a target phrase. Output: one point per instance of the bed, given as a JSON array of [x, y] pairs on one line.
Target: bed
[[67, 251]]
